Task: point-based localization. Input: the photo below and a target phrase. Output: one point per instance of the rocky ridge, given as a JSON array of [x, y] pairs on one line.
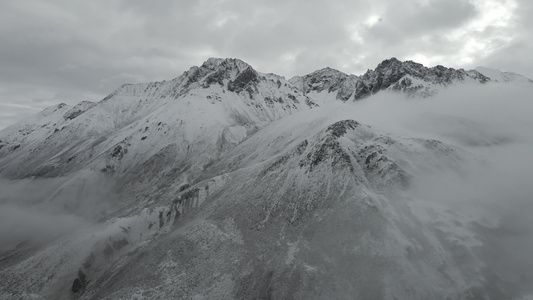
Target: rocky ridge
[[409, 77]]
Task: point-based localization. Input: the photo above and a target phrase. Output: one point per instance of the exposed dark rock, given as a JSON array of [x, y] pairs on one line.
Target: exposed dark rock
[[245, 79], [330, 150], [118, 152], [361, 90], [78, 110], [215, 77], [293, 98], [119, 244], [339, 129], [79, 284], [161, 219], [184, 187], [301, 147], [378, 166], [108, 169], [73, 114]]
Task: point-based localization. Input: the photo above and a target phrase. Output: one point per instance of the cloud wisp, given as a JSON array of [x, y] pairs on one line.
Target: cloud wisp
[[37, 211]]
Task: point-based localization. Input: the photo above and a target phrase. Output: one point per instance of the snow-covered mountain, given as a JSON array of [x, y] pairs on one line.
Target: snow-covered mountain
[[222, 100], [227, 183]]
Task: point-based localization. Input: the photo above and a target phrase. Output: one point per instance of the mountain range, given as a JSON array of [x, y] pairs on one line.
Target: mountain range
[[228, 183]]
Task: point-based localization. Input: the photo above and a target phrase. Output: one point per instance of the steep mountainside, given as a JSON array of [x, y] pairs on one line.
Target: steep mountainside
[[227, 183]]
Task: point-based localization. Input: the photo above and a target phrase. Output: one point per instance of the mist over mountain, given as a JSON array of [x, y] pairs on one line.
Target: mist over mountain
[[406, 182]]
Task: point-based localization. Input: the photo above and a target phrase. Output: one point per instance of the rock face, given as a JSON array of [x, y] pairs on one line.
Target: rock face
[[227, 183]]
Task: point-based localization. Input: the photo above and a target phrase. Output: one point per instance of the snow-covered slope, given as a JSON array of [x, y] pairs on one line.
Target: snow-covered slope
[[226, 183]]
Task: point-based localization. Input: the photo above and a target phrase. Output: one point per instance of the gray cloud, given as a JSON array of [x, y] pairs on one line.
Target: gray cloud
[[61, 51], [515, 56]]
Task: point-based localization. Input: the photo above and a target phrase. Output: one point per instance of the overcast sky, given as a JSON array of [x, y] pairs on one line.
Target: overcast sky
[[69, 51]]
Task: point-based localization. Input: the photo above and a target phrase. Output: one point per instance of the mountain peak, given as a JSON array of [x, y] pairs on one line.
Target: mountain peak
[[326, 79], [389, 62], [220, 71], [395, 64], [328, 71]]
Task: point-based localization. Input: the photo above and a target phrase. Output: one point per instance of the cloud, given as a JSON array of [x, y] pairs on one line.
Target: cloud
[[514, 55], [26, 217]]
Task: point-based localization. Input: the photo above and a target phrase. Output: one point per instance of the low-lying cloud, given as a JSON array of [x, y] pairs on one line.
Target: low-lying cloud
[[36, 211], [493, 189]]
